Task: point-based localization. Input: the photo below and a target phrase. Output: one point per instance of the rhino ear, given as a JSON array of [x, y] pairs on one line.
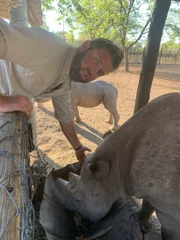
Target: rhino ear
[[99, 169]]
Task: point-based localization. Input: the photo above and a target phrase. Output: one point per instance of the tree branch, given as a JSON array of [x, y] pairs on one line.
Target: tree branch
[[141, 33], [124, 9]]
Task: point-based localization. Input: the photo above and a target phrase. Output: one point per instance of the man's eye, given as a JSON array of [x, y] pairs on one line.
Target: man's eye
[[96, 60]]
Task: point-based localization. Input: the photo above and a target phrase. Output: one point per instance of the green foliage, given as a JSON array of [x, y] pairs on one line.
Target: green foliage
[[170, 45], [60, 34], [172, 26], [120, 20], [47, 5]]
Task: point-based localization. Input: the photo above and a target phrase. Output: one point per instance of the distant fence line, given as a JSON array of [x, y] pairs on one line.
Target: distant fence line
[[164, 57]]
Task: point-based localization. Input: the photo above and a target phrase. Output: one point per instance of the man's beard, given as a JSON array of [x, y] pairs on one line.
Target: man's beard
[[75, 68]]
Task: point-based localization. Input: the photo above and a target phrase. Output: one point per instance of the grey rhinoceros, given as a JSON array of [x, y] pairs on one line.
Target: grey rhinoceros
[[92, 94], [141, 159]]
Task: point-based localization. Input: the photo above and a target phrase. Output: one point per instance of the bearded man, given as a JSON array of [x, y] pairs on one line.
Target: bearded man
[[36, 63]]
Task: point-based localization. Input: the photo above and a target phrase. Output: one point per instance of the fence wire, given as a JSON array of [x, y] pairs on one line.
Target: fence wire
[[18, 180]]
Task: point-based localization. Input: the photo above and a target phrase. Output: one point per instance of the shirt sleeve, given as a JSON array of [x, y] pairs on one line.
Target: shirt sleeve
[[62, 106], [25, 46]]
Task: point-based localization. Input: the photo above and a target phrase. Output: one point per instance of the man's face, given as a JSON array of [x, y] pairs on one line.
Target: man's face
[[91, 64]]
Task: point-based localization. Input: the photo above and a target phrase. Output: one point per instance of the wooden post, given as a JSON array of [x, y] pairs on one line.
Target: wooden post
[[151, 53], [160, 55], [11, 163], [11, 154], [17, 10]]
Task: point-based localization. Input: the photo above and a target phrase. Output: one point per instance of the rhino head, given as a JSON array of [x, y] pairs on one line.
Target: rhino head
[[86, 194]]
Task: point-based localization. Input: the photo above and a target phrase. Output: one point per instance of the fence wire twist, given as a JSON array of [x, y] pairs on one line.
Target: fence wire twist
[[15, 142]]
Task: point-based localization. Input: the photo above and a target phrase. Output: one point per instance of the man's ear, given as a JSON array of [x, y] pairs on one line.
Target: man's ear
[[99, 169], [84, 46]]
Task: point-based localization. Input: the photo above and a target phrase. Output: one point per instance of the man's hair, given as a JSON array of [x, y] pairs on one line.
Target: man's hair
[[114, 50]]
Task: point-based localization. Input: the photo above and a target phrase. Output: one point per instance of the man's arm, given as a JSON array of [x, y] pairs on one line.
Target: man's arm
[[16, 103], [28, 47], [69, 131], [64, 114]]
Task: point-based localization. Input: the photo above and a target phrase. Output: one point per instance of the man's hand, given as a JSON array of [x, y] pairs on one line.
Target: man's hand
[[80, 153], [69, 131], [16, 103]]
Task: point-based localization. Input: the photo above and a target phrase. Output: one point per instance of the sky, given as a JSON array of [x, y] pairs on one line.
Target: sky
[[52, 23], [55, 26]]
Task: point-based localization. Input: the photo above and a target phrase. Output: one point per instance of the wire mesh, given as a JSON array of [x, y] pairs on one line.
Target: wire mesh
[[18, 180]]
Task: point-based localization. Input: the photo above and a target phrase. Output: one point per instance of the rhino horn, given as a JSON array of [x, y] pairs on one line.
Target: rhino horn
[[61, 183], [99, 169], [73, 179]]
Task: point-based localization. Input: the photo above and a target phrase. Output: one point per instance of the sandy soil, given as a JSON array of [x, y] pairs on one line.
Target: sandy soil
[[51, 140]]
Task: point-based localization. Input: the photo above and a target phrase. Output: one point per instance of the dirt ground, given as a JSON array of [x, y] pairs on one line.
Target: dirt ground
[[51, 140]]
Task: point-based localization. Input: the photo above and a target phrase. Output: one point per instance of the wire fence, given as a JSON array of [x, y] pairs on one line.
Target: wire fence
[[18, 180]]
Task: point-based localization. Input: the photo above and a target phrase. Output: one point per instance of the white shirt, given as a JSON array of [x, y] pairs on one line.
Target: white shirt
[[36, 63]]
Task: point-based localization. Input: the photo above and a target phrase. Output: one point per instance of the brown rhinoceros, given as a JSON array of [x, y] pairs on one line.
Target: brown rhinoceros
[[141, 159]]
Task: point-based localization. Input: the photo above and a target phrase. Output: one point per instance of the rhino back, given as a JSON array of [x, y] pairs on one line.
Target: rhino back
[[89, 95]]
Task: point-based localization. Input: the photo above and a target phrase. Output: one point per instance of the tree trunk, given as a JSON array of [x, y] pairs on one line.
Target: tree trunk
[[151, 54], [18, 11], [126, 62]]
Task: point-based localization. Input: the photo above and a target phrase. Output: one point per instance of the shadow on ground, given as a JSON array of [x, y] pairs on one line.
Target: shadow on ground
[[171, 73], [91, 134]]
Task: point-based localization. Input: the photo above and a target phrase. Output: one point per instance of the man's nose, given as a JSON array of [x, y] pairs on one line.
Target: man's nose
[[95, 70]]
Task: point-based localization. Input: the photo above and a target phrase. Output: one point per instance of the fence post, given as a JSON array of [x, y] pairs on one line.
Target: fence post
[[16, 218], [160, 55]]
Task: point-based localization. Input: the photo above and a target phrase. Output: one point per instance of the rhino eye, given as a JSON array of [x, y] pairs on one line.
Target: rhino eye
[[93, 168]]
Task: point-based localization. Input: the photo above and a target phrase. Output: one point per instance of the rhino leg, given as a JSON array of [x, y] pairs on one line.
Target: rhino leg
[[145, 214], [170, 227], [110, 120], [114, 116], [76, 113], [110, 103], [116, 119]]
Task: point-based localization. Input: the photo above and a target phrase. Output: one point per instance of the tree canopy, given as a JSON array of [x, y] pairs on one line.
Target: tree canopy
[[125, 22]]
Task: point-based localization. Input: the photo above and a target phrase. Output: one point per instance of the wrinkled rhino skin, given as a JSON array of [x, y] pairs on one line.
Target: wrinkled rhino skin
[[53, 216], [92, 94], [141, 159], [59, 223]]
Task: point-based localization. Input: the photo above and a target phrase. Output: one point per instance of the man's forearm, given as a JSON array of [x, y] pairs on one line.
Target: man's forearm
[[69, 131]]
